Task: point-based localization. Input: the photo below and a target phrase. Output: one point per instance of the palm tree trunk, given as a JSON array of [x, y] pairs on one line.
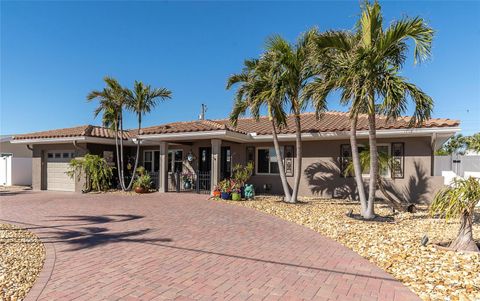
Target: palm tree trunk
[[122, 179], [464, 240], [356, 165], [137, 155], [298, 166], [369, 214], [117, 152], [283, 176]]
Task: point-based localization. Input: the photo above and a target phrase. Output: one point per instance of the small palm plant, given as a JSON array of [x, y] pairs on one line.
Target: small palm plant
[[458, 201]]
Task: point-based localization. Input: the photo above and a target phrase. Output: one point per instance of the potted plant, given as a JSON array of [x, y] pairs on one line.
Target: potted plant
[[236, 194], [187, 178], [143, 182], [225, 189], [241, 174], [216, 192]]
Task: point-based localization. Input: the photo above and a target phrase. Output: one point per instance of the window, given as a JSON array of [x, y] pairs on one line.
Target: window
[[267, 162], [148, 160], [50, 155], [383, 150], [346, 158], [151, 160]]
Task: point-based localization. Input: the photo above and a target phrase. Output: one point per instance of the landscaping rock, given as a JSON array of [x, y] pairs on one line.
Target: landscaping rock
[[392, 243], [21, 260]]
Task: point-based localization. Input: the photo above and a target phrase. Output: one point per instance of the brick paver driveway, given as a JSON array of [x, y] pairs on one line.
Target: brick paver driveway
[[181, 246]]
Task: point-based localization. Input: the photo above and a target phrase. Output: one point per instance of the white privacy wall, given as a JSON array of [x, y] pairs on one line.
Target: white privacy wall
[[22, 171]]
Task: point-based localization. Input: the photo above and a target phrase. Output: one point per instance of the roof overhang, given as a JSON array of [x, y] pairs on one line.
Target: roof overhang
[[185, 136], [70, 140], [444, 133]]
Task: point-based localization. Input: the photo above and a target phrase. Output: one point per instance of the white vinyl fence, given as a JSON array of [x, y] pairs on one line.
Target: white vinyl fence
[[462, 166]]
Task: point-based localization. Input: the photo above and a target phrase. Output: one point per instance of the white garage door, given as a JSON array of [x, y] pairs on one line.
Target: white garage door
[[57, 166]]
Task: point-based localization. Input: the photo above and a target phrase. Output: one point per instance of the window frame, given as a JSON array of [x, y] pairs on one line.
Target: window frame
[[269, 167], [389, 150], [170, 163]]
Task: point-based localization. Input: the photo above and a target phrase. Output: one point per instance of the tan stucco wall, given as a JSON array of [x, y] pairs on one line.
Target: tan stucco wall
[[18, 150], [321, 171]]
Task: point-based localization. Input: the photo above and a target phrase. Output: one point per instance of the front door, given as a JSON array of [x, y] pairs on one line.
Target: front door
[[205, 159], [225, 163]]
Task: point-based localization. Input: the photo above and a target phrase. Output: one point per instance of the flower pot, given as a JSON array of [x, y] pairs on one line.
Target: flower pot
[[225, 195], [139, 189], [236, 196], [187, 185], [216, 193]]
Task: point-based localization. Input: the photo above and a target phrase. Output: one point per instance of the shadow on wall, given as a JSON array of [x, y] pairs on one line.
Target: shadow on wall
[[324, 180], [417, 190]]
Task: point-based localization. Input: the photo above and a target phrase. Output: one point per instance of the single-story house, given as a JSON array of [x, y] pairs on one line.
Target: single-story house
[[15, 163], [210, 148]]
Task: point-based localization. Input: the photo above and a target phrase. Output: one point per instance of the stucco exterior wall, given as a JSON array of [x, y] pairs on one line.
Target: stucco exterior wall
[[18, 150], [321, 172]]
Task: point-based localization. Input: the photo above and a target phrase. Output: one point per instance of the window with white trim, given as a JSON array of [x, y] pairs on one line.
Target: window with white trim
[[266, 160], [151, 160], [381, 149]]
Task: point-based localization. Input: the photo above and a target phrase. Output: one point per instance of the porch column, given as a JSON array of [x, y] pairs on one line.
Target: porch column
[[163, 168], [216, 153]]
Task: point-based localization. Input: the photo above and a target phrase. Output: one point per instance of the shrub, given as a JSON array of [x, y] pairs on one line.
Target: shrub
[[241, 174], [98, 173]]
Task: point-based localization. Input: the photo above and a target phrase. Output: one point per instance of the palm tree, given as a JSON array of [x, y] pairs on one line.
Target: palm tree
[[365, 66], [293, 70], [141, 101], [385, 163], [111, 102], [458, 201], [255, 90]]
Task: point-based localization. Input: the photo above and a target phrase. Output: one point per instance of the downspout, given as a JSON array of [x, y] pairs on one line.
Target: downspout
[[29, 147], [77, 147], [433, 142]]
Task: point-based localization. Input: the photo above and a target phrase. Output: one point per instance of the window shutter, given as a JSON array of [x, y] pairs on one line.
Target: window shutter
[[398, 160], [345, 159], [250, 156], [288, 162]]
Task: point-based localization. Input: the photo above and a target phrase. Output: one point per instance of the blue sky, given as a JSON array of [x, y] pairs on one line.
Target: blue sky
[[54, 53]]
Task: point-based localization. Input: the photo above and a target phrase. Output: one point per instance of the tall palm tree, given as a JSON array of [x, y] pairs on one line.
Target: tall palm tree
[[141, 100], [111, 102], [367, 63], [255, 90], [293, 70]]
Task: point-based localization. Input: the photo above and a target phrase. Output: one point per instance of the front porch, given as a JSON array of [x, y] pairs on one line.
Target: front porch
[[190, 166]]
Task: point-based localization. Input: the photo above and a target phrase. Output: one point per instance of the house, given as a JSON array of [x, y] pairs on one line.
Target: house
[[209, 149], [15, 163]]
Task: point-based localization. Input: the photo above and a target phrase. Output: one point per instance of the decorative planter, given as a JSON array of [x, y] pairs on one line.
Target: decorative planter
[[236, 196], [216, 193], [187, 185], [139, 189], [225, 195]]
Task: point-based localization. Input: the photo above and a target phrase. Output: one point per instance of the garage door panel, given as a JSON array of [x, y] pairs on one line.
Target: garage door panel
[[57, 178]]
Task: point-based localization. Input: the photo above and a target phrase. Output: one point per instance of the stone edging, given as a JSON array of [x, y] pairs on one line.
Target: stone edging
[[47, 269]]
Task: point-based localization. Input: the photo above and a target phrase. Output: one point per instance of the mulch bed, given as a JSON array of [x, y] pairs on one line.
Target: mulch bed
[[392, 242], [21, 261]]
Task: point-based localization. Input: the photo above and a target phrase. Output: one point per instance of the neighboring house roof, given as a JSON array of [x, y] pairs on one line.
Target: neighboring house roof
[[329, 122], [79, 131]]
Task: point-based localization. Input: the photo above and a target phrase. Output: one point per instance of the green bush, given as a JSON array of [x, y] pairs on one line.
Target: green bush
[[97, 172], [144, 181]]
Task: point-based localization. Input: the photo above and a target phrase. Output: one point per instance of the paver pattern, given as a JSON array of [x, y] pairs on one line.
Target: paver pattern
[[184, 247]]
